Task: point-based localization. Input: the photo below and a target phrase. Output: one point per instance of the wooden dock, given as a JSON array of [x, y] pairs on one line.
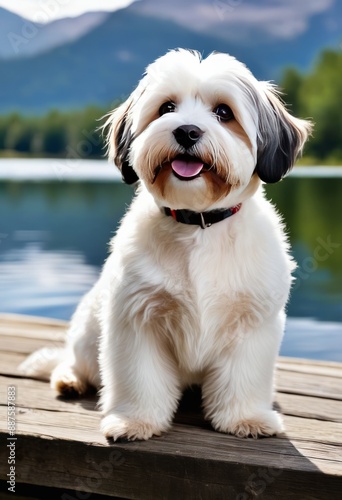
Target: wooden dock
[[60, 453]]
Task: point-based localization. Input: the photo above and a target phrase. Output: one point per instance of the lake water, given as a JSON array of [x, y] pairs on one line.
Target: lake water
[[56, 218]]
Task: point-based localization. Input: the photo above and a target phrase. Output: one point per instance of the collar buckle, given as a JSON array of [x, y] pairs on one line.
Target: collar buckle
[[203, 223]]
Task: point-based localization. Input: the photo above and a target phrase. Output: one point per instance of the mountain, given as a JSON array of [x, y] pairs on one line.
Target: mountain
[[8, 22], [241, 20], [106, 62], [282, 32], [277, 33], [100, 67], [21, 38]]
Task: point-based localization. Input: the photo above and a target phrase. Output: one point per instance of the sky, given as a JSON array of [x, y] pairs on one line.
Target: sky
[[281, 18], [44, 11]]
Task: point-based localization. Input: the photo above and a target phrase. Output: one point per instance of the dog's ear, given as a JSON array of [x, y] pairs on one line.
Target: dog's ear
[[119, 139], [281, 137]]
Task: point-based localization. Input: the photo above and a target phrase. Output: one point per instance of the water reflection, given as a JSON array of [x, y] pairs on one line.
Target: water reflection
[[308, 338], [43, 283], [53, 241], [312, 209]]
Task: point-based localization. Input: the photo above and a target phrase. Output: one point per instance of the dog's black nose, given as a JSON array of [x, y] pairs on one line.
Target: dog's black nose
[[187, 135]]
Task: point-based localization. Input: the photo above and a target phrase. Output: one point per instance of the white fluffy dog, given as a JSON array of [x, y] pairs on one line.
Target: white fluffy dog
[[198, 277]]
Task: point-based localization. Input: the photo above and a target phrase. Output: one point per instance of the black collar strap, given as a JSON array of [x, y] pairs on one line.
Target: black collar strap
[[202, 219]]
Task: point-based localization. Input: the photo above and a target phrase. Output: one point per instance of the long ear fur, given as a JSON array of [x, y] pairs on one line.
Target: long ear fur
[[119, 139], [281, 138]]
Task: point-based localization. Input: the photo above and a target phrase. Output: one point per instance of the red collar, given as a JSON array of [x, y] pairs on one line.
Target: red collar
[[202, 219]]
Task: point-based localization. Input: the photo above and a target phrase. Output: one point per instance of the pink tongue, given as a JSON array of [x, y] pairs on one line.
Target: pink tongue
[[186, 168]]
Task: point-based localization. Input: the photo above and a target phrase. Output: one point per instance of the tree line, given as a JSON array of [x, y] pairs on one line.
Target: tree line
[[71, 134], [316, 95]]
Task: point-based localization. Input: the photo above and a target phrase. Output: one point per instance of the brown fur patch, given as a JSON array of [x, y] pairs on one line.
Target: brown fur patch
[[216, 188], [159, 307], [161, 315], [70, 386], [169, 321], [245, 312], [239, 314]]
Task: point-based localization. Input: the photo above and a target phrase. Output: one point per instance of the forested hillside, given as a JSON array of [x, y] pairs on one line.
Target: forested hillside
[[318, 95]]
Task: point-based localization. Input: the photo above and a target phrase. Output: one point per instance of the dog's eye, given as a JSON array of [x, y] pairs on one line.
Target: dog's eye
[[224, 113], [167, 107]]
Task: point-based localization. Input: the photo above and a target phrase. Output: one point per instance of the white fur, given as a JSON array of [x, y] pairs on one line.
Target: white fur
[[177, 305]]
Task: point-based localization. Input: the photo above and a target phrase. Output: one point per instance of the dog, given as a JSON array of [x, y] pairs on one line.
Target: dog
[[199, 273]]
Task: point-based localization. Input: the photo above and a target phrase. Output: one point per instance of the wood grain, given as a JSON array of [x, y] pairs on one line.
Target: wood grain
[[59, 445]]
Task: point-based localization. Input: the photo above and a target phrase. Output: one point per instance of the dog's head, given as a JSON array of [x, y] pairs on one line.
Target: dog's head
[[199, 131]]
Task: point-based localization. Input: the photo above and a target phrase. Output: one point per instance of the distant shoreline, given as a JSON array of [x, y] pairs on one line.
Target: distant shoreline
[[62, 169], [305, 161], [57, 169]]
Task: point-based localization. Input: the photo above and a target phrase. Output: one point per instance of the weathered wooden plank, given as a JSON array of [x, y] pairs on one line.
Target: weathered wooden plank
[[36, 394], [182, 438], [34, 322], [57, 334], [9, 362], [135, 470], [25, 345], [313, 430], [194, 441], [34, 492], [298, 365], [309, 384], [309, 407], [40, 413], [59, 442]]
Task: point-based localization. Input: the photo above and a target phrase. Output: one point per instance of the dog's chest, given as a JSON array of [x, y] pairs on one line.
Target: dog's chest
[[201, 285], [200, 293]]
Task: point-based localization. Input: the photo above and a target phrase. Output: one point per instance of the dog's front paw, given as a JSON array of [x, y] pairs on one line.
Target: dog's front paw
[[117, 426], [266, 423]]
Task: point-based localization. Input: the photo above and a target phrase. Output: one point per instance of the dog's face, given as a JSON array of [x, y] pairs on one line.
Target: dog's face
[[201, 134]]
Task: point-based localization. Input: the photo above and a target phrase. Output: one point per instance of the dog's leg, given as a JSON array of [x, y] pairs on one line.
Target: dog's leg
[[140, 385], [78, 371], [238, 391]]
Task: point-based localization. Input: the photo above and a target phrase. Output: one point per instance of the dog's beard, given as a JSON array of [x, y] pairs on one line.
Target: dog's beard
[[196, 178], [196, 194]]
